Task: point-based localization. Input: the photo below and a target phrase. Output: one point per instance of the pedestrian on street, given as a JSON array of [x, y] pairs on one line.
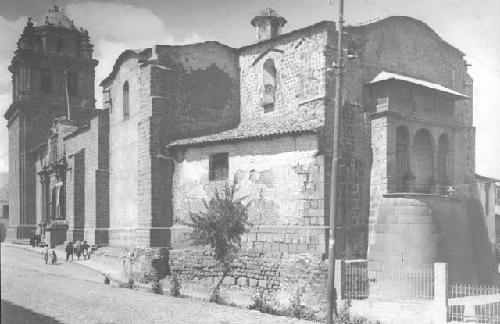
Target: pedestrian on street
[[86, 255], [53, 256], [78, 249], [45, 254], [69, 251]]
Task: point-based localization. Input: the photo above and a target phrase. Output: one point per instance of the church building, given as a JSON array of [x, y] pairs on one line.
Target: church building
[[180, 121]]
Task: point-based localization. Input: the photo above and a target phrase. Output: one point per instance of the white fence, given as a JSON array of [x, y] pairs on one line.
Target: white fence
[[422, 295], [474, 304]]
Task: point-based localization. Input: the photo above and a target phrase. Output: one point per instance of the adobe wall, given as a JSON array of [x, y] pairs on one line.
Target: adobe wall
[[281, 180], [416, 230]]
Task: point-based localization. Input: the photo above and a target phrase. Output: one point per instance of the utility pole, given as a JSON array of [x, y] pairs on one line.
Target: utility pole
[[68, 117], [332, 302]]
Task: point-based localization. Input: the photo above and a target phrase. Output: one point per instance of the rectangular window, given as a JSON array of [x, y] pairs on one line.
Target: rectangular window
[[218, 166], [5, 211]]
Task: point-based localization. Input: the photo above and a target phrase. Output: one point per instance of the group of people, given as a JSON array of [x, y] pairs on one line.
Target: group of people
[[49, 254], [79, 248]]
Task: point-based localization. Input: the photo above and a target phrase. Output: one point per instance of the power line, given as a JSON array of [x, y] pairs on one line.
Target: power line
[[378, 6]]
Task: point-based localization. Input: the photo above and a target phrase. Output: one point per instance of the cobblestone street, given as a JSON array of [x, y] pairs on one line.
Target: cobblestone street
[[33, 292]]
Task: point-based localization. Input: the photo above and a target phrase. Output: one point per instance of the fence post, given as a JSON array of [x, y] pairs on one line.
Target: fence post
[[440, 293], [339, 279]]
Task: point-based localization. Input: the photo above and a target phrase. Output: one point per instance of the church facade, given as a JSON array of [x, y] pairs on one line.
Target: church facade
[[180, 121]]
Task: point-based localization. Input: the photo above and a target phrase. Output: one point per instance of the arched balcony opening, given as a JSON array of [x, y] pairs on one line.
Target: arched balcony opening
[[424, 167]]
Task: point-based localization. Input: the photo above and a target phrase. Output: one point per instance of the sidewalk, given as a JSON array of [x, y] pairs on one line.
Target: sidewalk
[[114, 274]]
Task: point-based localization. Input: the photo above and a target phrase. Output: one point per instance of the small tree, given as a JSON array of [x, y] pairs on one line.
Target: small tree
[[221, 225]]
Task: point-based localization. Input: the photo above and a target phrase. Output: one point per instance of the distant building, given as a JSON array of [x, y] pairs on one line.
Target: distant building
[[489, 195], [179, 121]]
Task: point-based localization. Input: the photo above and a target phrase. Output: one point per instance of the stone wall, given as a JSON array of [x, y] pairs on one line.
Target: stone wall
[[300, 62], [200, 86], [279, 276], [123, 155], [87, 201], [416, 230], [281, 180]]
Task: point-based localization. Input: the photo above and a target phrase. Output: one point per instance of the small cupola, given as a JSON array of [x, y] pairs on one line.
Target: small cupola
[[268, 24]]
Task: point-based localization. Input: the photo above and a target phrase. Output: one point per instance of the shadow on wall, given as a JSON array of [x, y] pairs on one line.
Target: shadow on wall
[[482, 257]]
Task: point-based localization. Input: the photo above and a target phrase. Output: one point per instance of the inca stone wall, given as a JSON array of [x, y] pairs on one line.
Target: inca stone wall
[[280, 276], [416, 230]]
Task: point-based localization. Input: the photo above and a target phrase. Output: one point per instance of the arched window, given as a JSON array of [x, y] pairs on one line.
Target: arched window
[[402, 159], [423, 149], [442, 161], [269, 81], [46, 80], [126, 99]]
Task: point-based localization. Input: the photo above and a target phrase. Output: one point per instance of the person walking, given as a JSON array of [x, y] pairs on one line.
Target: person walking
[[53, 256], [78, 249], [86, 255], [45, 254], [69, 251]]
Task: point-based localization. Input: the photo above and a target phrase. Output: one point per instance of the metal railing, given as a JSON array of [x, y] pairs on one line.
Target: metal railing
[[401, 285], [470, 303], [356, 284]]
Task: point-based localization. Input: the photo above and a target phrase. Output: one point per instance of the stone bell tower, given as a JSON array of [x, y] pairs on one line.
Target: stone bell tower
[[52, 76], [268, 24]]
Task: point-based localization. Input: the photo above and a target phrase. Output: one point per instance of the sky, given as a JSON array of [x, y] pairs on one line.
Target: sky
[[116, 25]]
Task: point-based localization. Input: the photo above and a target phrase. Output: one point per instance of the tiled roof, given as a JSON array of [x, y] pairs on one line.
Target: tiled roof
[[385, 76], [258, 129]]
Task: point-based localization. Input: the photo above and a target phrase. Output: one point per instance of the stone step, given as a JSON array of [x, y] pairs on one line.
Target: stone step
[[21, 241]]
